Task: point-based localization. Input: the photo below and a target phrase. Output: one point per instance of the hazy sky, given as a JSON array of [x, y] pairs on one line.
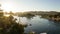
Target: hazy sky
[[30, 5]]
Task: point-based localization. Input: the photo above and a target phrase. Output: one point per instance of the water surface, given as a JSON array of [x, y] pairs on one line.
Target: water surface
[[40, 25]]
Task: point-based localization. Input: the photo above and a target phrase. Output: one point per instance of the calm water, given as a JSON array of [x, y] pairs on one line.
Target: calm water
[[40, 25]]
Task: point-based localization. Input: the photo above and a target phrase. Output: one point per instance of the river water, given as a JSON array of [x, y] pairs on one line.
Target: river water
[[40, 25]]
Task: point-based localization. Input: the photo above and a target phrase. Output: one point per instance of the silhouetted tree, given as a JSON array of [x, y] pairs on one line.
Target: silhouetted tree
[[8, 25]]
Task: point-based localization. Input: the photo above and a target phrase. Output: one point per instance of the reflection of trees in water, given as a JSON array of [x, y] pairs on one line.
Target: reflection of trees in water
[[55, 23]]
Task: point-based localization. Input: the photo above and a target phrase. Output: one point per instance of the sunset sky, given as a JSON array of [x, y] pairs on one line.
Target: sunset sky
[[30, 5]]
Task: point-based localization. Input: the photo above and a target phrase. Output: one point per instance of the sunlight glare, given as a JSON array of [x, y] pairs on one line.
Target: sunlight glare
[[7, 7], [12, 7], [6, 15]]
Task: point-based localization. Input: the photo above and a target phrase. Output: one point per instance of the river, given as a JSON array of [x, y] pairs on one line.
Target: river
[[40, 25]]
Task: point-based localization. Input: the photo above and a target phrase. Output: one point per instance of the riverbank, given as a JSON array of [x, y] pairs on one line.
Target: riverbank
[[57, 19]]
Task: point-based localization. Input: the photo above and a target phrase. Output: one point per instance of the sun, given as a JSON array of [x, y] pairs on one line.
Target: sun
[[7, 7]]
